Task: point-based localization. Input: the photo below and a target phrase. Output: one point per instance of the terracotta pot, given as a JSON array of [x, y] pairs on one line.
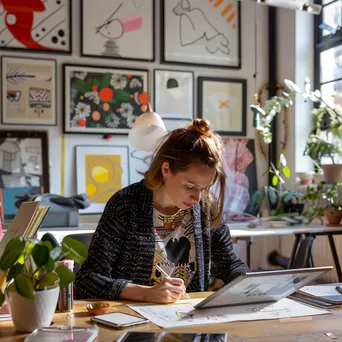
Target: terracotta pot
[[332, 173], [334, 216]]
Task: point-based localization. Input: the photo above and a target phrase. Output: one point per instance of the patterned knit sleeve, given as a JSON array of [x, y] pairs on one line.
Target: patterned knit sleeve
[[225, 264], [94, 279]]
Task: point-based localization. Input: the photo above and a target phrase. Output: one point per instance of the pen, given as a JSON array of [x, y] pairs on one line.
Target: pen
[[339, 289], [166, 275]]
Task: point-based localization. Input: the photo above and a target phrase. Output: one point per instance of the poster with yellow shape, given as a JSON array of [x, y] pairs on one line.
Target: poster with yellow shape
[[101, 172]]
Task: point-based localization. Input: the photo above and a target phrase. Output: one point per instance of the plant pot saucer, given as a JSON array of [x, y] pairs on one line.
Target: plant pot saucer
[[336, 225]]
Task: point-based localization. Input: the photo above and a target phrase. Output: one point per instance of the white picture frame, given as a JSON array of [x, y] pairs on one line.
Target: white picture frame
[[118, 29], [174, 94], [101, 171]]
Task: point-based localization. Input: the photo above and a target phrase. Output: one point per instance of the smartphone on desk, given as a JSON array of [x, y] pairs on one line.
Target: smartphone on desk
[[119, 320]]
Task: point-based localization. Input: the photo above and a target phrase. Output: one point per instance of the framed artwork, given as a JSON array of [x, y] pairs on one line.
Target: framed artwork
[[24, 167], [174, 94], [36, 25], [240, 167], [103, 100], [28, 91], [201, 32], [101, 172], [223, 102], [118, 29]]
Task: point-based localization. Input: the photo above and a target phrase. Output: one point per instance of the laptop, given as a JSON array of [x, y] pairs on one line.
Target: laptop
[[262, 287]]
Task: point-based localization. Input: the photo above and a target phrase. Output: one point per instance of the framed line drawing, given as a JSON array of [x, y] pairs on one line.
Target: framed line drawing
[[36, 25], [118, 29], [174, 94], [103, 100], [28, 91], [223, 102], [201, 32], [24, 166], [101, 172]]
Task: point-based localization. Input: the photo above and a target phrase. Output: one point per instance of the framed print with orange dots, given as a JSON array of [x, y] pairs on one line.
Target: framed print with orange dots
[[103, 100], [36, 25], [101, 172]]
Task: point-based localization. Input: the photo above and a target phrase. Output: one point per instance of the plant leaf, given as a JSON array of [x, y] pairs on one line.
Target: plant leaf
[[56, 253], [50, 265], [14, 271], [40, 254], [12, 252], [24, 285], [287, 172], [49, 279], [74, 249], [275, 180], [105, 80], [65, 276]]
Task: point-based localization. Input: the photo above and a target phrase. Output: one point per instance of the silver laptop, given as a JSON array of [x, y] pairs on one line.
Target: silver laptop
[[262, 287]]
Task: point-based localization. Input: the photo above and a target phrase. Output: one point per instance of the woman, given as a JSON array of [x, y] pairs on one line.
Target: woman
[[168, 219]]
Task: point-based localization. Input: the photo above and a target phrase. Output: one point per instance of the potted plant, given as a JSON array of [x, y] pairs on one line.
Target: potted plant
[[33, 276]]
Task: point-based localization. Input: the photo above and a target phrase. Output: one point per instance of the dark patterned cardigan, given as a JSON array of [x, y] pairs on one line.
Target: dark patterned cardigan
[[122, 248]]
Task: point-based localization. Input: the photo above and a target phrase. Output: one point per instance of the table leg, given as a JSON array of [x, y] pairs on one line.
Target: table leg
[[335, 256], [249, 244], [294, 249]]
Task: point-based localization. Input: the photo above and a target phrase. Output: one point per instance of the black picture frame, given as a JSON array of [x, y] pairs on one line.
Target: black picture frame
[[83, 54], [23, 164], [79, 68], [54, 90], [201, 107], [59, 36], [163, 40], [192, 99]]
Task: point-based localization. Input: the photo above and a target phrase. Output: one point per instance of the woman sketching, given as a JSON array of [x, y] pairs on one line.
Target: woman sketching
[[168, 221]]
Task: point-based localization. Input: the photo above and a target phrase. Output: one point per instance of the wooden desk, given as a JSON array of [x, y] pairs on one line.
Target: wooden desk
[[304, 329]]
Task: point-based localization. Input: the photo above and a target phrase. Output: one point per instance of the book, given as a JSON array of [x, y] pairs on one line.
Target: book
[[325, 293], [312, 301]]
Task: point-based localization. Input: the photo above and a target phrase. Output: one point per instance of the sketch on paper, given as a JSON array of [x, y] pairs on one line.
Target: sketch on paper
[[28, 91], [103, 100], [202, 31], [23, 168], [122, 29], [173, 94], [240, 167], [35, 24], [101, 172], [139, 162]]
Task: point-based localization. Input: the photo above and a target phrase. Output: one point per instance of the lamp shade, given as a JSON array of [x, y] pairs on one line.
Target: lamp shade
[[147, 129]]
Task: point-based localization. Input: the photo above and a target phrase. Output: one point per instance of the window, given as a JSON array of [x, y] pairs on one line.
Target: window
[[328, 51]]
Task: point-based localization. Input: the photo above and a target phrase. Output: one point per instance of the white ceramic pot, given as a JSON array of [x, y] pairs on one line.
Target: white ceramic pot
[[28, 314]]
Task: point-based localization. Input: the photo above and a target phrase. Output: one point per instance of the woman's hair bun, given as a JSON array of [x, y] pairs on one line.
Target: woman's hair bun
[[201, 126]]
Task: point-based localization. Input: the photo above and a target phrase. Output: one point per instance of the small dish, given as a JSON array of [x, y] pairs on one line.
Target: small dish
[[277, 224], [98, 308]]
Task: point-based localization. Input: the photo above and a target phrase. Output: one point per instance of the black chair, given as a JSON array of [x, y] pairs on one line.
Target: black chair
[[302, 259], [49, 237], [85, 238]]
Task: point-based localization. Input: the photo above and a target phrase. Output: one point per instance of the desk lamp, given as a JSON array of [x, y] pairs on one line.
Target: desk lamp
[[147, 129]]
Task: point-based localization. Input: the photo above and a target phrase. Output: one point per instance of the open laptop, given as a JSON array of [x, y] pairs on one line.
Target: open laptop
[[262, 287]]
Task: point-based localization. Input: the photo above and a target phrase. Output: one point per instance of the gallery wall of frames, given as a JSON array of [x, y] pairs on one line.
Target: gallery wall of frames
[[74, 82]]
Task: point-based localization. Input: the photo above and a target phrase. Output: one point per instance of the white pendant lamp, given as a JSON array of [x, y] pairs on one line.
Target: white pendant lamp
[[147, 129]]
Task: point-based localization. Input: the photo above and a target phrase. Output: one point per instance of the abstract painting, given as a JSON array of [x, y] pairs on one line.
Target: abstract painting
[[103, 100], [118, 29], [202, 32], [36, 25], [223, 102], [139, 162], [24, 166], [240, 167], [101, 172], [28, 91], [174, 94]]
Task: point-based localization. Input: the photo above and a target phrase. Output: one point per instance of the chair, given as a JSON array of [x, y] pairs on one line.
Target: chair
[[85, 238], [49, 237]]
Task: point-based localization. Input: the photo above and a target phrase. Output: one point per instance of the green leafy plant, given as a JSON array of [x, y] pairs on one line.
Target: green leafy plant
[[33, 265]]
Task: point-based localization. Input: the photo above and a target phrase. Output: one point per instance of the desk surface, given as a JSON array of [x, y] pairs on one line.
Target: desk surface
[[302, 329]]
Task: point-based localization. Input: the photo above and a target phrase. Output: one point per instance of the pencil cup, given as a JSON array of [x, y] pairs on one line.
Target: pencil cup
[[66, 296]]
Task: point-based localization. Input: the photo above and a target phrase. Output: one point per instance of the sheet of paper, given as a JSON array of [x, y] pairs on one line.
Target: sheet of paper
[[181, 315], [321, 290]]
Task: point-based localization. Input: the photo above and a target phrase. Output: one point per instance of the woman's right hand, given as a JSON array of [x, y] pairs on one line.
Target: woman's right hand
[[169, 290]]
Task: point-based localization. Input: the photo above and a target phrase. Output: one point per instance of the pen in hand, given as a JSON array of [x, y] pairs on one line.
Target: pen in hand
[[338, 289], [167, 275]]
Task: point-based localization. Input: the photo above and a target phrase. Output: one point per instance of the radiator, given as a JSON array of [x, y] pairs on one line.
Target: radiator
[[321, 248]]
